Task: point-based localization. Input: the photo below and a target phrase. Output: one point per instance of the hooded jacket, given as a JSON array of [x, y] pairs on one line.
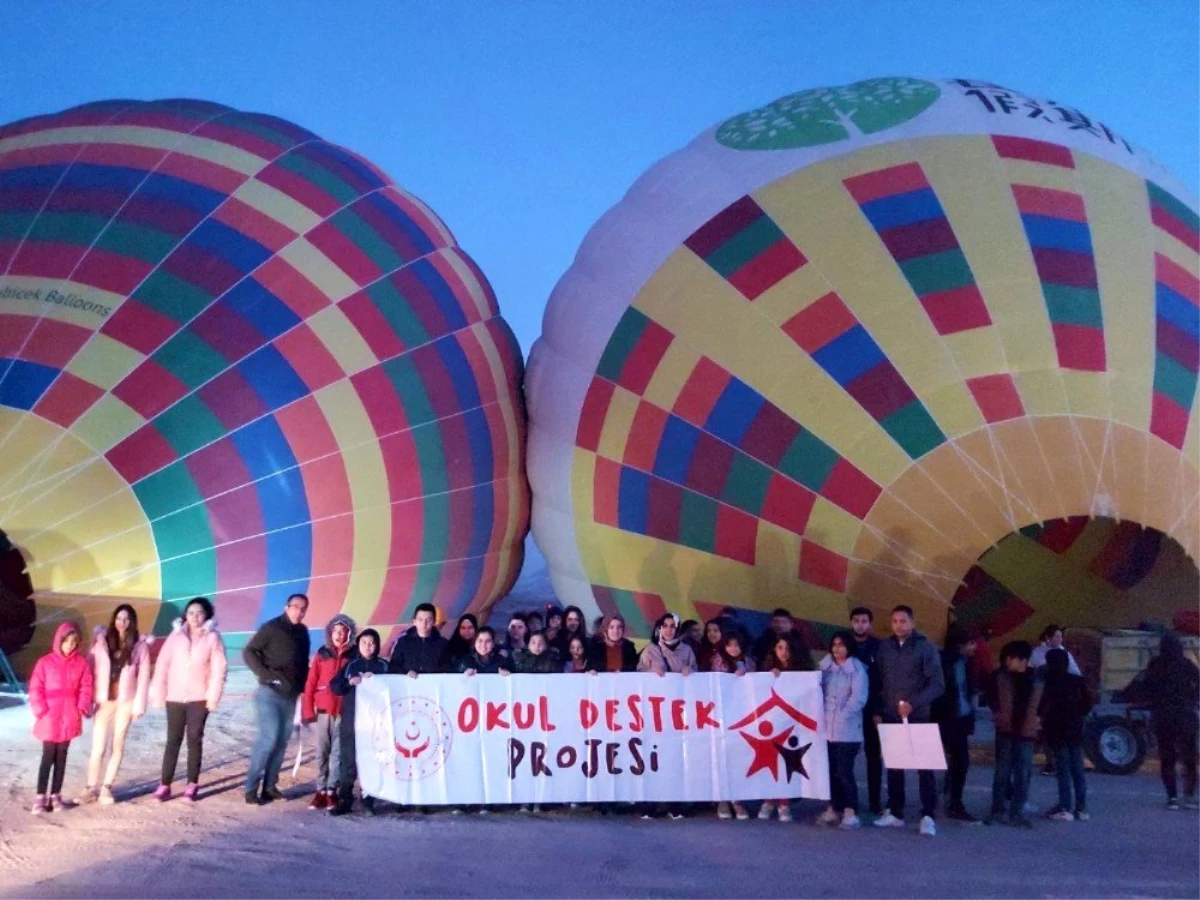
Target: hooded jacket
[[60, 690], [133, 684], [326, 663], [912, 672], [190, 671], [846, 689], [414, 653]]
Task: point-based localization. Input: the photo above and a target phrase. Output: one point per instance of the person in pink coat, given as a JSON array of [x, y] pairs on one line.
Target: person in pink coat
[[120, 661], [189, 678], [60, 696]]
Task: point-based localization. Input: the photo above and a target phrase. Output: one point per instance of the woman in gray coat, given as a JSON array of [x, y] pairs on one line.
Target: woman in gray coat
[[844, 683]]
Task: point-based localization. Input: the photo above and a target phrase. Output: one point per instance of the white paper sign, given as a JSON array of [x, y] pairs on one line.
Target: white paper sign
[[450, 739], [912, 746]]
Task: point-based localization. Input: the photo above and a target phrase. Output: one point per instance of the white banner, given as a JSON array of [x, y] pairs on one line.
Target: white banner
[[450, 739]]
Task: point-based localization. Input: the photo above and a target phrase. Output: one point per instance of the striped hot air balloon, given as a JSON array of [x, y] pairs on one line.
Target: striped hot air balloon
[[837, 349], [237, 361]]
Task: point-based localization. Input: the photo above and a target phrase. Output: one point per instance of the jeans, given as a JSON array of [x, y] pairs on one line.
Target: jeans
[[1014, 759], [118, 715], [275, 715], [956, 736], [874, 756], [843, 790], [1068, 767], [181, 717], [329, 751], [348, 769], [54, 756], [1176, 738]]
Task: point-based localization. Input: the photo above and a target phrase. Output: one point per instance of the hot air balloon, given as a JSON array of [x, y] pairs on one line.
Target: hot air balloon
[[238, 361], [901, 341]]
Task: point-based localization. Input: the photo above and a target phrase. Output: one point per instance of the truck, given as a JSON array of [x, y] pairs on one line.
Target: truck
[[1117, 733]]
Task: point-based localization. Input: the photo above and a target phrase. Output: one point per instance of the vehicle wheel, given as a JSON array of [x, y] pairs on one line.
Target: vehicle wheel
[[1114, 746]]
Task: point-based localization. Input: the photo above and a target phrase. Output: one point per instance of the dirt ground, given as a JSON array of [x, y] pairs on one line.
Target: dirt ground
[[220, 847]]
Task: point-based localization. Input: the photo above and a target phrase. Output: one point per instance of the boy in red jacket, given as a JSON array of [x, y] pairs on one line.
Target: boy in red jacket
[[320, 706]]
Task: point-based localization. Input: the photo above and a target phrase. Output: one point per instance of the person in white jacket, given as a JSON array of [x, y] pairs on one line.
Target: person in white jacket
[[844, 684]]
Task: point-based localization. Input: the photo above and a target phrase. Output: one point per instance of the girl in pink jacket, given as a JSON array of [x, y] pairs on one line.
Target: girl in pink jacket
[[120, 661], [188, 678], [60, 696]]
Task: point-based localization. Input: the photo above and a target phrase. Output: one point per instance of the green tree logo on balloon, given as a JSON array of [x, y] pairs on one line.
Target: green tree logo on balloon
[[825, 115]]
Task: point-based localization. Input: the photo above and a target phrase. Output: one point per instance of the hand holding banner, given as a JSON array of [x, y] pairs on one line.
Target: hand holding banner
[[449, 739]]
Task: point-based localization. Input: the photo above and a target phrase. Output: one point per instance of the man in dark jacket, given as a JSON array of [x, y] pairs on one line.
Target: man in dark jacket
[[1171, 688], [866, 649], [954, 712], [910, 679], [278, 656], [419, 650]]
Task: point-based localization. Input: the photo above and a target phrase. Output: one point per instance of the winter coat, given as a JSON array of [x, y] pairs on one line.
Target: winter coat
[[945, 708], [60, 691], [658, 658], [866, 653], [543, 664], [190, 671], [495, 663], [1004, 697], [326, 663], [1170, 687], [1065, 704], [911, 672], [598, 656], [278, 655], [133, 684], [341, 687], [846, 688], [414, 653]]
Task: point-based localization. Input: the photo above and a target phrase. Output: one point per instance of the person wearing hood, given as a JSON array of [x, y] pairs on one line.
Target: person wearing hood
[[189, 678], [910, 680], [60, 698], [278, 655], [1171, 688], [419, 650], [321, 708], [120, 661], [1064, 705], [366, 663]]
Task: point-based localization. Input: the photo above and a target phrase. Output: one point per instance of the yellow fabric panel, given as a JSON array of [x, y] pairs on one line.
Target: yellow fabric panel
[[1175, 250], [32, 476], [777, 551], [108, 422], [80, 490], [1019, 312], [343, 340], [368, 492], [1068, 462], [434, 219], [783, 300], [977, 352], [1127, 453], [832, 527], [671, 375], [141, 136], [1024, 459], [1088, 393], [470, 281], [104, 361], [617, 423], [314, 265], [278, 206], [26, 439], [583, 474], [1191, 441], [1172, 484], [1041, 391], [1021, 171]]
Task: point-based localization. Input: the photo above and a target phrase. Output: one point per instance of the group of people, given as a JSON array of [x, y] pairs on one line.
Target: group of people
[[1034, 693]]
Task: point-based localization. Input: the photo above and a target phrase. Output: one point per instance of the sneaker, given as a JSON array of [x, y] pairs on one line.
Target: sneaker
[[785, 812], [319, 801], [740, 812], [849, 821], [1062, 816], [40, 805], [272, 793], [828, 817], [106, 795], [58, 801], [928, 829], [1019, 822], [675, 815], [764, 811], [88, 795], [959, 813], [887, 820], [163, 794], [484, 811], [456, 811], [723, 811], [252, 798], [1172, 803], [189, 792], [1082, 815]]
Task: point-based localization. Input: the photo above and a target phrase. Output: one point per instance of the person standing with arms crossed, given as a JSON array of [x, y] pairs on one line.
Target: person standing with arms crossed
[[865, 650], [910, 679], [278, 656]]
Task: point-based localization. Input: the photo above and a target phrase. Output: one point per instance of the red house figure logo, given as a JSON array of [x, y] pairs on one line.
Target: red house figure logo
[[769, 732]]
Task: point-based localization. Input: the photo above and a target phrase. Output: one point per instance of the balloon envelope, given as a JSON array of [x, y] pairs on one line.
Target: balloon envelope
[[837, 348], [238, 361]]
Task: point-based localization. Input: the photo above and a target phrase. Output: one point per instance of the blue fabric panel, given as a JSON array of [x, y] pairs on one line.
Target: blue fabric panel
[[849, 355], [903, 209], [272, 377]]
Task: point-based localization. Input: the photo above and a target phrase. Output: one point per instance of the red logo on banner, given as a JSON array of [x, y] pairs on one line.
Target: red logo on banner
[[772, 739], [421, 735]]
